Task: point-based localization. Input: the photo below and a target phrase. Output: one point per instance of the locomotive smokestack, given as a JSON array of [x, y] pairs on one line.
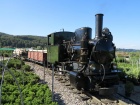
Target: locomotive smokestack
[[98, 25]]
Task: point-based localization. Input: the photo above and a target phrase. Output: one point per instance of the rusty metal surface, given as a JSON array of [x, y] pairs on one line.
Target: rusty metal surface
[[29, 54], [32, 55], [35, 55], [42, 56]]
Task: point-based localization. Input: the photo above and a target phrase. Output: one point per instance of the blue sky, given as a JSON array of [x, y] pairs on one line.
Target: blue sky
[[42, 17]]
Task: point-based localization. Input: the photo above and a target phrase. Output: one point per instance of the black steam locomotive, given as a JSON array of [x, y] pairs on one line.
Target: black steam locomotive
[[88, 62]]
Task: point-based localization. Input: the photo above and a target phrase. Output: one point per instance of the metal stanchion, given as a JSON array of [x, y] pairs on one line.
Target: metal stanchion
[[44, 71], [52, 82]]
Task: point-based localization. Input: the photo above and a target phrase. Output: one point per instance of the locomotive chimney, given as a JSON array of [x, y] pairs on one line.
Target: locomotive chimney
[[98, 25]]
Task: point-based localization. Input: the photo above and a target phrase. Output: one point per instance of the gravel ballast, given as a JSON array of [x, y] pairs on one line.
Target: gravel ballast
[[62, 94]]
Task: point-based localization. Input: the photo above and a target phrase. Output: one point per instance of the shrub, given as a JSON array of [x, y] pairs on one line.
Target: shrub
[[26, 67], [33, 93], [10, 64], [17, 65], [6, 55]]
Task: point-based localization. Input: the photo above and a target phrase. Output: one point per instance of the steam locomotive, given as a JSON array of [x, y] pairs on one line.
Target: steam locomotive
[[87, 62]]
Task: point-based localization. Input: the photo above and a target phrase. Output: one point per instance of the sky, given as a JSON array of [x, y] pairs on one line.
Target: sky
[[42, 17]]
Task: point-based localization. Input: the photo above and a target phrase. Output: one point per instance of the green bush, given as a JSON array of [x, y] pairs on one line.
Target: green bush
[[10, 64], [33, 93], [17, 65], [26, 67]]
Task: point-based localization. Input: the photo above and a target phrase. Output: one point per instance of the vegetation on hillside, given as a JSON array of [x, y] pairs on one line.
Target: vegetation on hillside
[[22, 41]]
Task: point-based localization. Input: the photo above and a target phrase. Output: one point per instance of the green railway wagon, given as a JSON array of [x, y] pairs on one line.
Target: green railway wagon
[[55, 46]]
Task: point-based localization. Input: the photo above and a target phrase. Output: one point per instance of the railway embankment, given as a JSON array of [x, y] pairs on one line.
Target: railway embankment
[[65, 96]]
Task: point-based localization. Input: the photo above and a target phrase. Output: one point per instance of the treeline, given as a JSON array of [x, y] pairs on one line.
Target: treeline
[[127, 50], [22, 41]]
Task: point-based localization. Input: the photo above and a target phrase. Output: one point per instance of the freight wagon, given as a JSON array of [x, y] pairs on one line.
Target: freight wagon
[[20, 53], [38, 56]]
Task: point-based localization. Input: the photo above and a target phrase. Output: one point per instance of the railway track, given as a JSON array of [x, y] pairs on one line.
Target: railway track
[[94, 99], [107, 100], [91, 98]]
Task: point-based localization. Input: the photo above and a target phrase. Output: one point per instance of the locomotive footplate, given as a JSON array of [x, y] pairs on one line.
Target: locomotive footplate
[[106, 77], [107, 91]]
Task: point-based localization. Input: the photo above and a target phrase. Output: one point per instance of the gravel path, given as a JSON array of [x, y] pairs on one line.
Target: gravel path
[[62, 94]]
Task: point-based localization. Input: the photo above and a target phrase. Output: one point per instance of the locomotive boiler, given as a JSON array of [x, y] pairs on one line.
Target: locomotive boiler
[[87, 62]]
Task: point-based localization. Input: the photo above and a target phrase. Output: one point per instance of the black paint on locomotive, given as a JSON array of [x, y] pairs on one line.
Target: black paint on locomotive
[[87, 61]]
